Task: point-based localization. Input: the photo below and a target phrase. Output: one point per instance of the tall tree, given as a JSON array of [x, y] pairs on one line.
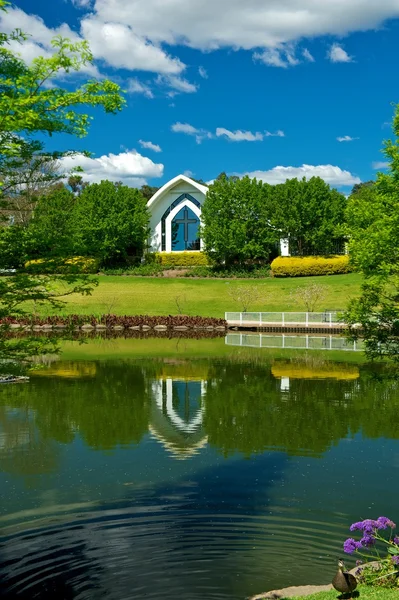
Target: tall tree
[[310, 213], [236, 221], [29, 106], [110, 222], [373, 223]]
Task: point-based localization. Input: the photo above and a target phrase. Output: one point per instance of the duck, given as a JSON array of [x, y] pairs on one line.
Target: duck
[[344, 582]]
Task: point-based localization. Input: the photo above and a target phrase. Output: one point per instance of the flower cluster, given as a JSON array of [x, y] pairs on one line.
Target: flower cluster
[[370, 530]]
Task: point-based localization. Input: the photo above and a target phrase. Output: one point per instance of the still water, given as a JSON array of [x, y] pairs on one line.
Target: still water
[[199, 478]]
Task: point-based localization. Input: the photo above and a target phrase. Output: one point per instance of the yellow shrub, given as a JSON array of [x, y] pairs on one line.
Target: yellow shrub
[[300, 266], [75, 264], [181, 259]]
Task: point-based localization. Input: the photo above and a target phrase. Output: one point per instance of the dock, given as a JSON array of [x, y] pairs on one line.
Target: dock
[[287, 322]]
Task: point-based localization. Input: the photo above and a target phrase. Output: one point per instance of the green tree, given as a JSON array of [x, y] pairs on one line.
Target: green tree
[[50, 232], [373, 225], [30, 106], [311, 214], [236, 221], [110, 222], [147, 191]]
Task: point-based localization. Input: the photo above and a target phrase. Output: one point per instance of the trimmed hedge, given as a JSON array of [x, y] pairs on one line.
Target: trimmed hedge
[[75, 264], [303, 266], [181, 259]]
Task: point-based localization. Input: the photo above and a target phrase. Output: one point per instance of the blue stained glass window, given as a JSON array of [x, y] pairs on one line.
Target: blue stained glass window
[[185, 230]]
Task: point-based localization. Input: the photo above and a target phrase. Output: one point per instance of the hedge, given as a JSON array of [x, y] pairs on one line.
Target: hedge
[[75, 264], [181, 259], [301, 266]]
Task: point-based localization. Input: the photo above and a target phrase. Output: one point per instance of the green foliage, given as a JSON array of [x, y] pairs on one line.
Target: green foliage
[[373, 225], [75, 264], [150, 270], [12, 247], [181, 259], [29, 105], [310, 213], [221, 272], [50, 232], [296, 266], [110, 222], [236, 216]]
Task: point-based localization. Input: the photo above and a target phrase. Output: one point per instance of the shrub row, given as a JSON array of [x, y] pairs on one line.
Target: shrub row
[[124, 321], [298, 266], [75, 264], [181, 259]]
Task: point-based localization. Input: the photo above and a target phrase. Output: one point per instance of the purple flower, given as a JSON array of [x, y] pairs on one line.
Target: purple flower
[[384, 522], [395, 560], [350, 545], [367, 541], [396, 540], [368, 526]]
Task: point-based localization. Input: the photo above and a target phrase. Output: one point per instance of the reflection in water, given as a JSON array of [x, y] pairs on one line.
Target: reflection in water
[[163, 478]]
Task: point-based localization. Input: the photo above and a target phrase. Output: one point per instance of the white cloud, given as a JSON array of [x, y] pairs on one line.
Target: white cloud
[[82, 3], [188, 173], [307, 55], [337, 54], [278, 133], [331, 174], [130, 167], [278, 57], [203, 72], [150, 146], [346, 138], [134, 86], [239, 136], [119, 46], [177, 84], [246, 136], [380, 165], [40, 36], [249, 25], [187, 129]]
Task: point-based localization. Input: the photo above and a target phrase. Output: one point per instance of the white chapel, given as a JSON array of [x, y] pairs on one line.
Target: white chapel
[[175, 211]]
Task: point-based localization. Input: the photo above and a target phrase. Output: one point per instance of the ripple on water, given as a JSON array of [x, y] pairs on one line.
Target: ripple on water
[[162, 550]]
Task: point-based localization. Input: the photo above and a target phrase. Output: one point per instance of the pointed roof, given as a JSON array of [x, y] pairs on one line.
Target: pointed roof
[[172, 183]]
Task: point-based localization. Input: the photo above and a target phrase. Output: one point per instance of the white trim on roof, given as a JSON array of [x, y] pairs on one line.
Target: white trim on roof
[[171, 184]]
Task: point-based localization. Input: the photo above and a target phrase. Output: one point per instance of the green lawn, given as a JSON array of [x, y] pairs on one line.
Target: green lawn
[[365, 593], [205, 297]]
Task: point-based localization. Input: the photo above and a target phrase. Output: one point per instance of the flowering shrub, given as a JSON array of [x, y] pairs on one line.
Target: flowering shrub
[[303, 266], [387, 571], [75, 264]]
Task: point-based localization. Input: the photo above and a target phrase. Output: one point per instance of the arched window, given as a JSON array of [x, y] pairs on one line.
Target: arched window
[[178, 201], [185, 230]]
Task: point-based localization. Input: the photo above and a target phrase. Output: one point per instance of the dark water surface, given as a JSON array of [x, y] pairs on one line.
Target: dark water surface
[[171, 477]]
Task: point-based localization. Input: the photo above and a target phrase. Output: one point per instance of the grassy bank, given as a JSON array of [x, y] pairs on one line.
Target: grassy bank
[[205, 297], [365, 593]]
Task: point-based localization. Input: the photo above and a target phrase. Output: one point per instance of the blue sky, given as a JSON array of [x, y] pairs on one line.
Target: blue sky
[[262, 87]]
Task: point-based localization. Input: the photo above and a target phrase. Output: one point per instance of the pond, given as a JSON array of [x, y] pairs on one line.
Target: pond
[[152, 471]]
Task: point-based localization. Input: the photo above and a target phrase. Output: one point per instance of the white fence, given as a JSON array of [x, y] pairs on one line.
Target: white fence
[[284, 319], [293, 342]]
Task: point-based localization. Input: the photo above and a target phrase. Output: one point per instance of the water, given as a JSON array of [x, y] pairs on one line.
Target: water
[[171, 477]]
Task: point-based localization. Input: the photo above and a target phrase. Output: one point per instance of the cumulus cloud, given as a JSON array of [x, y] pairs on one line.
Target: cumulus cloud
[[346, 138], [248, 25], [176, 84], [40, 36], [278, 57], [331, 174], [378, 164], [150, 146], [130, 167], [337, 54], [118, 45], [134, 86]]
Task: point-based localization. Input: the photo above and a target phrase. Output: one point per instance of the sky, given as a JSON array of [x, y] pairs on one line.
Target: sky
[[270, 88]]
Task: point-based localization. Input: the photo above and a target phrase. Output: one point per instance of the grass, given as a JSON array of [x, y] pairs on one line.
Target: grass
[[365, 593], [205, 297]]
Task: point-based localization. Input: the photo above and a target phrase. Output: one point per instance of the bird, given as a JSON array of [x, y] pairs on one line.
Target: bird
[[343, 581]]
